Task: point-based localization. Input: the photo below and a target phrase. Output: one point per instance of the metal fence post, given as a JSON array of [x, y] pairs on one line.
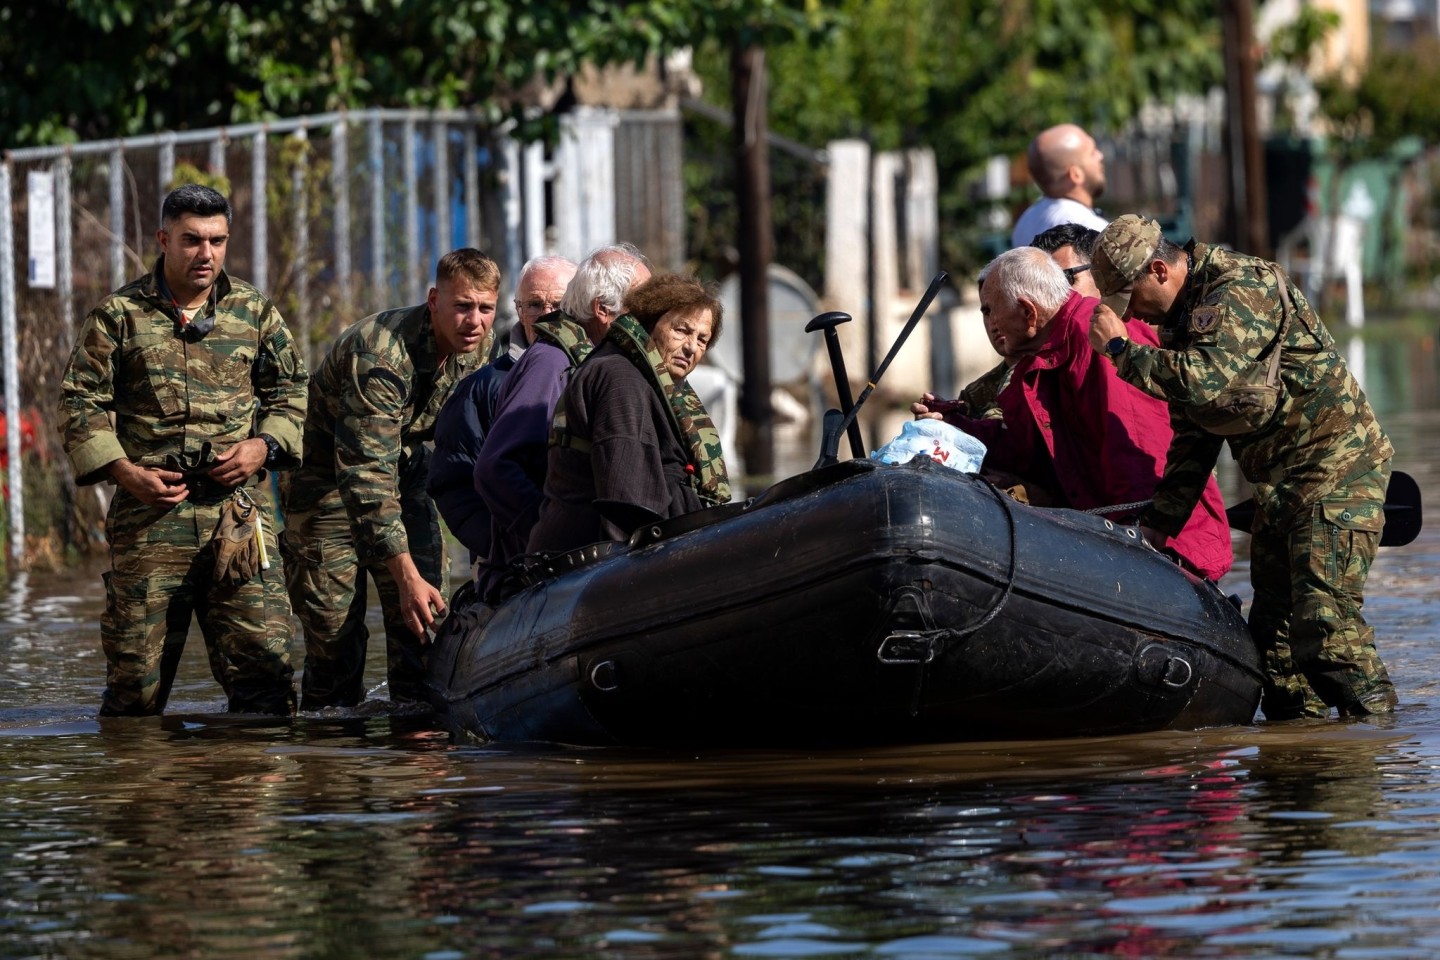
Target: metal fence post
[[471, 171], [10, 369], [378, 280], [260, 268], [408, 165], [340, 184], [440, 184], [65, 250], [300, 263], [117, 218]]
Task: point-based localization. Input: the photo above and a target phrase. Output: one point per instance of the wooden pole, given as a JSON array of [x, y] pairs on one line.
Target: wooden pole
[[1250, 220], [754, 243]]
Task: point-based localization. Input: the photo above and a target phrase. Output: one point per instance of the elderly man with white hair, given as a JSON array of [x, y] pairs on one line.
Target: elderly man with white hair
[[510, 468], [1069, 425]]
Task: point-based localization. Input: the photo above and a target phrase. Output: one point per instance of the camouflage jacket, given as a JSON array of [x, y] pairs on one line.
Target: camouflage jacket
[[979, 395], [142, 385], [373, 403], [1323, 432], [706, 471]]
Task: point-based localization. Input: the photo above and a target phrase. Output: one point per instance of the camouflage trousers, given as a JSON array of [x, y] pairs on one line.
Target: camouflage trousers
[[1309, 576], [161, 574], [329, 586]]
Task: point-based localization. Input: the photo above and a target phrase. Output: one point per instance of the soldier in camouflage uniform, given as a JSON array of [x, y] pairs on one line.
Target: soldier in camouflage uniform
[[1243, 358], [183, 386], [358, 503]]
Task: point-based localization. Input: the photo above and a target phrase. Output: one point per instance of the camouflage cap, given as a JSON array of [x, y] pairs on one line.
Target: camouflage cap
[[1122, 250]]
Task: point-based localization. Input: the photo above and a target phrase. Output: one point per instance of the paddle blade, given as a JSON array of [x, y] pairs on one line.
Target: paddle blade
[[1402, 512]]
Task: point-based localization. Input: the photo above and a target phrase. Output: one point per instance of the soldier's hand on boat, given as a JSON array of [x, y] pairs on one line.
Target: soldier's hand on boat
[[238, 463], [1154, 537], [420, 603], [152, 486], [1105, 325], [931, 407]]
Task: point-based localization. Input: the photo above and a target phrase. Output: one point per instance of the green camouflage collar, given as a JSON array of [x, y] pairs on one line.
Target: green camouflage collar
[[563, 331], [692, 424]]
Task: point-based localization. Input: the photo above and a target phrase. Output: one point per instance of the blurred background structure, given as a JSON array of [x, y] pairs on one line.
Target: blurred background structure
[[809, 155]]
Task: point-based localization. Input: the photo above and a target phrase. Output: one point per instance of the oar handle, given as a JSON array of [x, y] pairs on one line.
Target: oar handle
[[828, 322], [930, 294]]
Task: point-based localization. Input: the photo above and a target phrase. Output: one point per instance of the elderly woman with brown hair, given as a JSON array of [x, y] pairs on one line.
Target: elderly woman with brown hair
[[631, 443]]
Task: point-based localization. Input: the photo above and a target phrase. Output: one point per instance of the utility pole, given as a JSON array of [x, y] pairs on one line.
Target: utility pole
[[749, 94], [1249, 221]]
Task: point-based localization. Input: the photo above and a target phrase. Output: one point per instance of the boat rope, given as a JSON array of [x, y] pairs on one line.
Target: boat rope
[[950, 635], [1120, 507]]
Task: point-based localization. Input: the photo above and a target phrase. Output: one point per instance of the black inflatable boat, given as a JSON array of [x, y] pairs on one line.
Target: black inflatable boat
[[854, 604]]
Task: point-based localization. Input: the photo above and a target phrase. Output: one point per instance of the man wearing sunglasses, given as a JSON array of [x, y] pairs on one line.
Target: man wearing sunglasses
[[1244, 359]]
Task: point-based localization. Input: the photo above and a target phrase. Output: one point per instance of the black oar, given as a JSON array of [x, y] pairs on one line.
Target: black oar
[[828, 322], [835, 425], [1402, 512], [930, 294]]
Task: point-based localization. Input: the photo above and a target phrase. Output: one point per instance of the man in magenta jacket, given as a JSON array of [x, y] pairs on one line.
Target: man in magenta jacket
[[1069, 424]]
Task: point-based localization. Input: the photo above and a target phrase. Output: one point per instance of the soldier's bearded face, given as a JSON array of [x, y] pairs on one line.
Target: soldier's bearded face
[[461, 315], [194, 249]]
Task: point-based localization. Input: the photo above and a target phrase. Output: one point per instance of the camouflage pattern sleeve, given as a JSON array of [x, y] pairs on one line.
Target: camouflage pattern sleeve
[[979, 395], [280, 385], [1225, 332], [368, 449], [1188, 465], [87, 396]]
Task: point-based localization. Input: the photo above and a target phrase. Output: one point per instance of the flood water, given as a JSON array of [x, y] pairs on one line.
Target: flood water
[[369, 835]]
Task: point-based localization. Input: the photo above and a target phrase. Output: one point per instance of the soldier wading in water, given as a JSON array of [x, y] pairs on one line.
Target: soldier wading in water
[[1244, 359], [184, 387]]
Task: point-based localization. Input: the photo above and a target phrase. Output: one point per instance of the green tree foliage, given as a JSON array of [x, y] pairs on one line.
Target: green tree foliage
[[83, 69], [976, 78], [1397, 96]]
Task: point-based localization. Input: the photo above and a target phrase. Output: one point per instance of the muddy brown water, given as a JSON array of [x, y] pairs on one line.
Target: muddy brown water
[[363, 834]]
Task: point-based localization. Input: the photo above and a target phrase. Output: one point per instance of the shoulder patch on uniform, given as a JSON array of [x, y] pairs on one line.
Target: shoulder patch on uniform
[[1204, 319]]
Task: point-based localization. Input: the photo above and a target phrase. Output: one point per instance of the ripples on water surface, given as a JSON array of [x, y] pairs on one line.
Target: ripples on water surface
[[367, 835]]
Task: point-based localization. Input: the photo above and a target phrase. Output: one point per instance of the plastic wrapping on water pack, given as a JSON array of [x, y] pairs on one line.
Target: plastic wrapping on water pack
[[936, 439]]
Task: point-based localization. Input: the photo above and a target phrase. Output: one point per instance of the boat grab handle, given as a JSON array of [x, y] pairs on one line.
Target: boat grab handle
[[909, 646]]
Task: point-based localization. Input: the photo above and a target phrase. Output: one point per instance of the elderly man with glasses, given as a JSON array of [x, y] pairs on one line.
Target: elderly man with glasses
[[465, 419], [1070, 430]]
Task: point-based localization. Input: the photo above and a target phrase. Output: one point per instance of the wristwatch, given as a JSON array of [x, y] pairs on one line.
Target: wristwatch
[[1116, 346], [272, 449]]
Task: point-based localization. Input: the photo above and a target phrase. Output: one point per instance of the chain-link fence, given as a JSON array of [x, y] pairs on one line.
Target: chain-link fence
[[336, 216]]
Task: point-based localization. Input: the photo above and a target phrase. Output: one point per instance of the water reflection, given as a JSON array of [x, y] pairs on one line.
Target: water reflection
[[203, 835]]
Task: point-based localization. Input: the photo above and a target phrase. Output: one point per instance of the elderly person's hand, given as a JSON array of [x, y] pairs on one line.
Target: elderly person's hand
[[931, 407]]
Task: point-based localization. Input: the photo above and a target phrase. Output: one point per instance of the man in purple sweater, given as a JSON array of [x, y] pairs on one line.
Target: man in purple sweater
[[510, 467]]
